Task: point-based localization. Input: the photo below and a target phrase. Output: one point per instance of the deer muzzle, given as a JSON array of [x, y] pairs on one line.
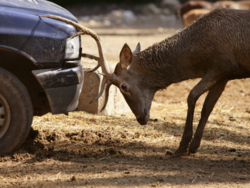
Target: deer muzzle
[[143, 119]]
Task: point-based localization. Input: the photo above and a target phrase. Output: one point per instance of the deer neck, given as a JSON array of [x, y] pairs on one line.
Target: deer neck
[[165, 63]]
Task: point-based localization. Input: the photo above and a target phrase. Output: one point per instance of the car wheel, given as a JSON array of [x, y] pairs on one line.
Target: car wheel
[[16, 112]]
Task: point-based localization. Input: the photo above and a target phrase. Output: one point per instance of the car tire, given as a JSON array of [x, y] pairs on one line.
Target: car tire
[[16, 112]]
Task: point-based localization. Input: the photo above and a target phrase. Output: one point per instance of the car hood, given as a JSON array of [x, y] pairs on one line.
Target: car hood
[[35, 7]]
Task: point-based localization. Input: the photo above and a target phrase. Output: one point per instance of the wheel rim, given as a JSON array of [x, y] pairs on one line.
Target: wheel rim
[[4, 116]]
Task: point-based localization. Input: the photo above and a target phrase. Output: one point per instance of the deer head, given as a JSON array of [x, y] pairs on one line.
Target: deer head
[[136, 94]]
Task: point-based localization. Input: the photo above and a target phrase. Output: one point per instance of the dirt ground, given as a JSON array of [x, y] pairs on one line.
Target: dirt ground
[[86, 150]]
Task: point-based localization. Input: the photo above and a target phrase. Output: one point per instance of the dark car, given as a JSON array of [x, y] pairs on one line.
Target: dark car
[[40, 68]]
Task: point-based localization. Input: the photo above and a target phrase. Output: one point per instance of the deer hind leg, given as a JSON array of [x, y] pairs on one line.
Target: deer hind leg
[[210, 101], [204, 85]]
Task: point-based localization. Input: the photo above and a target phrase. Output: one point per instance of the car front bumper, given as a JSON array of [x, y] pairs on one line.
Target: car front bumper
[[62, 86]]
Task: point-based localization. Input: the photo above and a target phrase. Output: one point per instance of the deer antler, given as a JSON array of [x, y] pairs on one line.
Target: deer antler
[[101, 60], [104, 82], [92, 57], [109, 83], [84, 30]]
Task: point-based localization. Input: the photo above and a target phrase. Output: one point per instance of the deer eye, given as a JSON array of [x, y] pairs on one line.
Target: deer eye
[[124, 87]]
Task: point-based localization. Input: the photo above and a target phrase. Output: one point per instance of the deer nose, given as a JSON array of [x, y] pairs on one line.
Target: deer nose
[[143, 117], [142, 120]]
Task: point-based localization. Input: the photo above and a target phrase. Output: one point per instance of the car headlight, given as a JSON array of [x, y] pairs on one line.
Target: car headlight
[[72, 48]]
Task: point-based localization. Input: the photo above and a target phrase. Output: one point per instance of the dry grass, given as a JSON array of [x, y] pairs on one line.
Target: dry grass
[[141, 164], [222, 130]]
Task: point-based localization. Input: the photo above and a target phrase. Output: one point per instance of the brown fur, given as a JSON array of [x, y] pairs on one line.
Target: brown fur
[[216, 48], [216, 42]]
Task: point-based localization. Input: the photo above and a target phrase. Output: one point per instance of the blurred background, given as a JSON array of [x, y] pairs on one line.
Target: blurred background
[[107, 13], [67, 2]]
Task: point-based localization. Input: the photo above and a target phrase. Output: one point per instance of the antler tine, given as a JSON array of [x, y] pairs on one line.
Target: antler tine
[[91, 56], [106, 95], [104, 81], [95, 58], [84, 30], [94, 69]]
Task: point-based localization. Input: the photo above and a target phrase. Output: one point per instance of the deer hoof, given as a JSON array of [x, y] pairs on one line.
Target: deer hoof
[[192, 150], [193, 146], [181, 151]]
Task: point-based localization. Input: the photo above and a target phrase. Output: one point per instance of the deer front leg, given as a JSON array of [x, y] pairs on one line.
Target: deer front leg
[[188, 132], [204, 85], [211, 99]]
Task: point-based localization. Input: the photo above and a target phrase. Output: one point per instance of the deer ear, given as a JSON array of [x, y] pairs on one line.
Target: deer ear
[[125, 56], [137, 49]]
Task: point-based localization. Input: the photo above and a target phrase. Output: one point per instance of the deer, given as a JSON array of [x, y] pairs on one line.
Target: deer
[[242, 5], [192, 10], [193, 15], [190, 5], [215, 49]]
